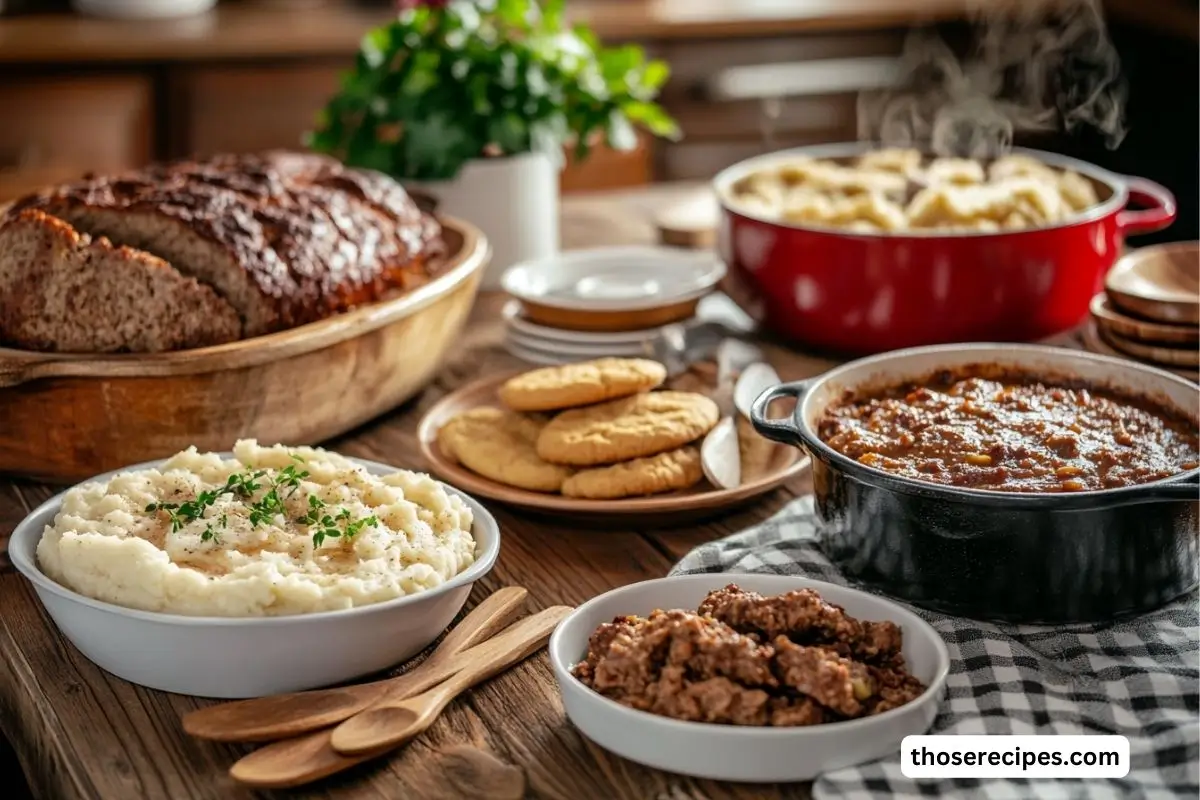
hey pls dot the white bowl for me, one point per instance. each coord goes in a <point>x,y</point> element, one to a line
<point>735,753</point>
<point>250,657</point>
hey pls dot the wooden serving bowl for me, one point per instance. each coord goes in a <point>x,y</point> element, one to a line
<point>1160,283</point>
<point>64,417</point>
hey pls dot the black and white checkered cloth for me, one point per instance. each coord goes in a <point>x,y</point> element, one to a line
<point>1139,679</point>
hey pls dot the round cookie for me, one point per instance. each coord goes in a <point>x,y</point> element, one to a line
<point>501,445</point>
<point>665,472</point>
<point>632,427</point>
<point>571,385</point>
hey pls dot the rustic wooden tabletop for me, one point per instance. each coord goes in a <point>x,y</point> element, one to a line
<point>81,733</point>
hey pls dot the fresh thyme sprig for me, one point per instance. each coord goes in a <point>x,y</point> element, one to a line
<point>322,522</point>
<point>325,525</point>
<point>283,485</point>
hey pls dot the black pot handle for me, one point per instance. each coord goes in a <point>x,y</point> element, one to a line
<point>1185,489</point>
<point>778,430</point>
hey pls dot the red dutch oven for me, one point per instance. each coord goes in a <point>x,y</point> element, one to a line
<point>861,293</point>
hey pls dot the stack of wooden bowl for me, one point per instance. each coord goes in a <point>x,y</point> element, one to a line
<point>1149,310</point>
<point>611,301</point>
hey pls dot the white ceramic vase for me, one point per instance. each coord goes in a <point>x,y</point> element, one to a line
<point>513,200</point>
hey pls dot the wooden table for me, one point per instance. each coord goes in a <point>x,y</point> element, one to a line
<point>81,733</point>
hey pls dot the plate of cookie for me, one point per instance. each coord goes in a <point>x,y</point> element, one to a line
<point>602,441</point>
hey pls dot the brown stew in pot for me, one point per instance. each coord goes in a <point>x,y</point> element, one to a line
<point>985,428</point>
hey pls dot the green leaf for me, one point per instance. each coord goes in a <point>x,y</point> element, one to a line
<point>376,46</point>
<point>510,133</point>
<point>655,74</point>
<point>653,117</point>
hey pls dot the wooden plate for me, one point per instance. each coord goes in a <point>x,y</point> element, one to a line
<point>665,509</point>
<point>1095,342</point>
<point>1161,283</point>
<point>1185,357</point>
<point>1112,320</point>
<point>67,417</point>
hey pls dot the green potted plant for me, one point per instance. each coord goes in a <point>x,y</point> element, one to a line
<point>473,101</point>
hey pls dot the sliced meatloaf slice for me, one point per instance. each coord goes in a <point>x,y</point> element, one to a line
<point>67,292</point>
<point>286,238</point>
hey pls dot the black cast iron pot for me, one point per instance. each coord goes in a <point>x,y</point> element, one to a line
<point>1034,558</point>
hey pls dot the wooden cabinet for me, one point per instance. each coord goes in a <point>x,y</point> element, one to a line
<point>733,97</point>
<point>736,99</point>
<point>55,129</point>
<point>246,107</point>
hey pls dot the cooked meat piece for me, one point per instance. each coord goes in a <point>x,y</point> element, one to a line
<point>893,688</point>
<point>787,712</point>
<point>834,682</point>
<point>66,292</point>
<point>716,700</point>
<point>599,642</point>
<point>705,648</point>
<point>286,238</point>
<point>804,616</point>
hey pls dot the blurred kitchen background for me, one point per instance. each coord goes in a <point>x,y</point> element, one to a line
<point>81,92</point>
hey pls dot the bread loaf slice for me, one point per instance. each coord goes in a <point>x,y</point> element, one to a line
<point>67,292</point>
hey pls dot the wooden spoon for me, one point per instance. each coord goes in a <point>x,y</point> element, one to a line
<point>295,762</point>
<point>393,723</point>
<point>280,716</point>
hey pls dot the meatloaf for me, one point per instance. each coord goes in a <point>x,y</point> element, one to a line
<point>281,238</point>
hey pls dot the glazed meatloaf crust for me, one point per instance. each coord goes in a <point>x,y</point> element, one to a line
<point>283,238</point>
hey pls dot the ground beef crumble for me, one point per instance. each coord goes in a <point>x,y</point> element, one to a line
<point>746,659</point>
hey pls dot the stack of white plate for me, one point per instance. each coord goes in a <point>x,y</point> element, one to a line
<point>613,301</point>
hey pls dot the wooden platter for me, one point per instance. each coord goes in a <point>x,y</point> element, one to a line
<point>66,417</point>
<point>675,508</point>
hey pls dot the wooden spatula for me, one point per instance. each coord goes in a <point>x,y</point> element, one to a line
<point>264,719</point>
<point>295,762</point>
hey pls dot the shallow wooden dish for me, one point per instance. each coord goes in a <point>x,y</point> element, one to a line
<point>608,321</point>
<point>674,508</point>
<point>1094,342</point>
<point>1161,355</point>
<point>1110,319</point>
<point>1161,283</point>
<point>66,417</point>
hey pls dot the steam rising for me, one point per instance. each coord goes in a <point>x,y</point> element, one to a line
<point>1038,65</point>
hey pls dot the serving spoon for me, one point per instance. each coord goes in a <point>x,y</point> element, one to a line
<point>294,762</point>
<point>280,716</point>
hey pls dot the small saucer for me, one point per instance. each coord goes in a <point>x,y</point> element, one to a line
<point>581,352</point>
<point>614,288</point>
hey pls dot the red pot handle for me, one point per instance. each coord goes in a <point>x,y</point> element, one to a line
<point>1159,213</point>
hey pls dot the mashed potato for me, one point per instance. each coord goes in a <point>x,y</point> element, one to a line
<point>273,531</point>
